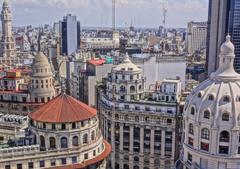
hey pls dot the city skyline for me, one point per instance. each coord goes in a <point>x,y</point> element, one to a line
<point>98,14</point>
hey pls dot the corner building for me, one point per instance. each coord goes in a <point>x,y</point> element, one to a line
<point>211,118</point>
<point>62,134</point>
<point>140,128</point>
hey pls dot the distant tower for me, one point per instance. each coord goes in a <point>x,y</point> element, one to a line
<point>7,45</point>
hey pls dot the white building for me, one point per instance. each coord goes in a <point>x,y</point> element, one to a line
<point>196,36</point>
<point>211,118</point>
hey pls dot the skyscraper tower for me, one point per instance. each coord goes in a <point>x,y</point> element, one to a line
<point>222,18</point>
<point>7,45</point>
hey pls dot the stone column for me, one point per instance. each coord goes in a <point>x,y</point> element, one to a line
<point>163,144</point>
<point>173,144</point>
<point>113,145</point>
<point>152,142</point>
<point>121,137</point>
<point>141,139</point>
<point>131,139</point>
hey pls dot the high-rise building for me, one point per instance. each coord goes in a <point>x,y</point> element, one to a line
<point>196,36</point>
<point>70,34</point>
<point>7,44</point>
<point>223,19</point>
<point>211,118</point>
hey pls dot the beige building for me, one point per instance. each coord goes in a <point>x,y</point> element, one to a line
<point>141,126</point>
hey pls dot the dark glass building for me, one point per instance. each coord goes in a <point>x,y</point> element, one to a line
<point>223,18</point>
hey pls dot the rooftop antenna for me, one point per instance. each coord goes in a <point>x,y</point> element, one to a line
<point>39,41</point>
<point>113,14</point>
<point>164,17</point>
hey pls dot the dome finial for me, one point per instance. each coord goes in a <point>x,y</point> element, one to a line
<point>228,38</point>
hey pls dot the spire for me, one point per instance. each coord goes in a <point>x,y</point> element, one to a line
<point>126,59</point>
<point>5,3</point>
<point>39,41</point>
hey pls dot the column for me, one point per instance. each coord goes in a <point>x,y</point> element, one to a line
<point>173,144</point>
<point>121,137</point>
<point>131,139</point>
<point>152,142</point>
<point>141,139</point>
<point>113,145</point>
<point>163,144</point>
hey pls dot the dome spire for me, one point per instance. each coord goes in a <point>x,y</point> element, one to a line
<point>226,60</point>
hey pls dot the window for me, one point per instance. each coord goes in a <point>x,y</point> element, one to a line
<point>73,125</point>
<point>75,141</point>
<point>52,142</point>
<point>53,162</point>
<point>42,142</point>
<point>19,166</point>
<point>53,126</point>
<point>191,131</point>
<point>223,149</point>
<point>226,99</point>
<point>225,117</point>
<point>7,167</point>
<point>189,157</point>
<point>199,95</point>
<point>63,126</point>
<point>204,146</point>
<point>136,159</point>
<point>64,161</point>
<point>74,160</point>
<point>64,143</point>
<point>211,97</point>
<point>85,138</point>
<point>30,165</point>
<point>86,156</point>
<point>238,150</point>
<point>94,152</point>
<point>206,114</point>
<point>224,136</point>
<point>190,141</point>
<point>205,133</point>
<point>93,135</point>
<point>192,111</point>
<point>42,163</point>
<point>169,121</point>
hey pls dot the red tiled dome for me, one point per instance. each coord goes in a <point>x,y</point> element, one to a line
<point>63,109</point>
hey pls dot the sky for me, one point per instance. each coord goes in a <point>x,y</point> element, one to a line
<point>141,13</point>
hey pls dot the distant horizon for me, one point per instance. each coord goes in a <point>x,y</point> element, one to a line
<point>93,13</point>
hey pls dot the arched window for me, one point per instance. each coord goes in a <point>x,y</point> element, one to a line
<point>126,157</point>
<point>140,87</point>
<point>116,116</point>
<point>199,94</point>
<point>191,131</point>
<point>205,133</point>
<point>42,142</point>
<point>75,141</point>
<point>136,159</point>
<point>135,167</point>
<point>211,97</point>
<point>225,117</point>
<point>122,89</point>
<point>192,110</point>
<point>146,160</point>
<point>64,142</point>
<point>136,118</point>
<point>224,136</point>
<point>132,89</point>
<point>206,114</point>
<point>226,99</point>
<point>125,166</point>
<point>63,126</point>
<point>85,138</point>
<point>93,135</point>
<point>52,142</point>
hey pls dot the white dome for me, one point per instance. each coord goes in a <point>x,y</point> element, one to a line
<point>127,65</point>
<point>212,116</point>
